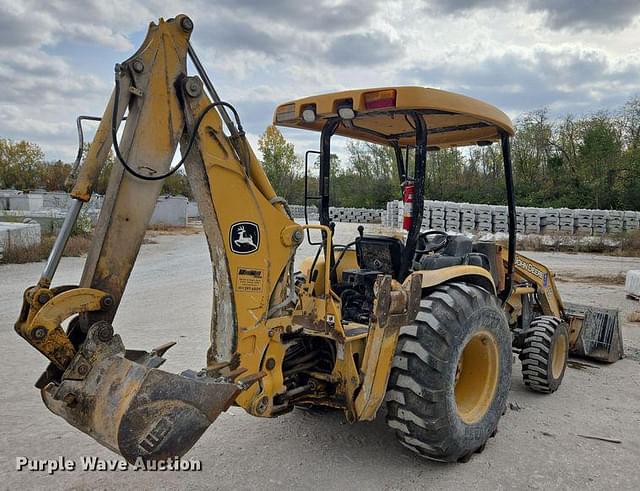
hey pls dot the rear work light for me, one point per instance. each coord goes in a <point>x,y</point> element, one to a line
<point>380,99</point>
<point>286,112</point>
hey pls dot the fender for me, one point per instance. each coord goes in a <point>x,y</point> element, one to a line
<point>470,274</point>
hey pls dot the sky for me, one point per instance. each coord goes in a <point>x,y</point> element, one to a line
<point>570,56</point>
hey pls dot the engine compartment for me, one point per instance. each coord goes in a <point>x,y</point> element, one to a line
<point>377,254</point>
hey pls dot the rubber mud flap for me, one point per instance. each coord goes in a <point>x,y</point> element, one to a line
<point>134,410</point>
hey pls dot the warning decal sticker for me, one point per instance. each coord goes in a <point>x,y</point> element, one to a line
<point>250,280</point>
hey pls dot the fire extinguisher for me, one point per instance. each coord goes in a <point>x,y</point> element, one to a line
<point>408,188</point>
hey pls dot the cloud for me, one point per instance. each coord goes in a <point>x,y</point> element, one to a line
<point>319,16</point>
<point>565,79</point>
<point>559,14</point>
<point>30,23</point>
<point>56,57</point>
<point>587,14</point>
<point>368,48</point>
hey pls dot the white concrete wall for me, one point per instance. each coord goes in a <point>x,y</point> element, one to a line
<point>170,210</point>
<point>192,210</point>
<point>632,282</point>
<point>18,235</point>
<point>26,202</point>
<point>55,199</point>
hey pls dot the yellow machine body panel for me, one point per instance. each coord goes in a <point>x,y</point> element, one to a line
<point>278,339</point>
<point>380,110</point>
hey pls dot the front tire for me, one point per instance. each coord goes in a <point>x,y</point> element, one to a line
<point>451,374</point>
<point>544,355</point>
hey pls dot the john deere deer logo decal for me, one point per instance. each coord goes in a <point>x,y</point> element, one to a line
<point>244,237</point>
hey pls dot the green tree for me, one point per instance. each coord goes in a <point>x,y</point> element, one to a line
<point>20,164</point>
<point>53,175</point>
<point>280,162</point>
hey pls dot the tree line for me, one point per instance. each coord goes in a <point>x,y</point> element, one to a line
<point>23,166</point>
<point>590,161</point>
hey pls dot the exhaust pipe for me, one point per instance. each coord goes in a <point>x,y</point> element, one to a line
<point>121,400</point>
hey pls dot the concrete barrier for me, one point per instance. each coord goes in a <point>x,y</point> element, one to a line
<point>18,235</point>
<point>467,217</point>
<point>50,220</point>
<point>170,211</point>
<point>192,210</point>
<point>632,283</point>
<point>26,202</point>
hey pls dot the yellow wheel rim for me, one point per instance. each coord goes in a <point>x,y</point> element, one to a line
<point>558,356</point>
<point>476,377</point>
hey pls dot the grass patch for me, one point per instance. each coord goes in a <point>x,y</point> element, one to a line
<point>171,230</point>
<point>76,247</point>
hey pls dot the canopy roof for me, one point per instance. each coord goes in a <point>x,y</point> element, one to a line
<point>382,116</point>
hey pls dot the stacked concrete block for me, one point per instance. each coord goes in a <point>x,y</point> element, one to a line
<point>519,220</point>
<point>26,202</point>
<point>392,218</point>
<point>426,217</point>
<point>437,214</point>
<point>500,218</point>
<point>599,221</point>
<point>582,222</point>
<point>355,215</point>
<point>467,217</point>
<point>615,221</point>
<point>55,199</point>
<point>452,217</point>
<point>631,220</point>
<point>18,235</point>
<point>5,195</point>
<point>484,218</point>
<point>531,220</point>
<point>565,220</point>
<point>550,221</point>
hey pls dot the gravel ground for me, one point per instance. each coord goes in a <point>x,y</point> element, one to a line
<point>168,298</point>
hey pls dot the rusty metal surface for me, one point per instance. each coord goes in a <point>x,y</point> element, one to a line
<point>42,314</point>
<point>152,131</point>
<point>599,335</point>
<point>382,340</point>
<point>134,410</point>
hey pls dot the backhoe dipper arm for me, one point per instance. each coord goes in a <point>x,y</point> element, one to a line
<point>118,396</point>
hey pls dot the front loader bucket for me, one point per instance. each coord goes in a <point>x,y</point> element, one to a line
<point>594,332</point>
<point>132,408</point>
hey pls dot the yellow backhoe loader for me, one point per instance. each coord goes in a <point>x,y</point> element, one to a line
<point>419,320</point>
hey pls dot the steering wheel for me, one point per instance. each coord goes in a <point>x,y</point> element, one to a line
<point>438,242</point>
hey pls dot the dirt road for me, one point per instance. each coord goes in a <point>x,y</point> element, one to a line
<point>168,298</point>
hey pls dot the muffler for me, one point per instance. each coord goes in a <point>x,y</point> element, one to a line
<point>594,332</point>
<point>125,403</point>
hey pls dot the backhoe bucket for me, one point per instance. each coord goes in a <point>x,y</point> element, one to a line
<point>130,406</point>
<point>594,332</point>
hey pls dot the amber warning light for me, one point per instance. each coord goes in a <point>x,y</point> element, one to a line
<point>380,99</point>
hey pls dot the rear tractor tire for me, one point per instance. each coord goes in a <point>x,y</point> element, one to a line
<point>451,374</point>
<point>544,355</point>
